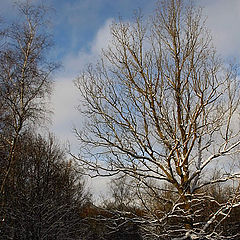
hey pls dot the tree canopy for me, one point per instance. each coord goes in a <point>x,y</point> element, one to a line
<point>162,108</point>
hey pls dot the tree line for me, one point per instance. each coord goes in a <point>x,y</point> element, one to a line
<point>161,119</point>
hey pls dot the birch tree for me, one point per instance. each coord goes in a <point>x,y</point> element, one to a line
<point>25,80</point>
<point>162,107</point>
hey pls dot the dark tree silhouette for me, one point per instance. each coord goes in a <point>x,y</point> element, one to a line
<point>46,196</point>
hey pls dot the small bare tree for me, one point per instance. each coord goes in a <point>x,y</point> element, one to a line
<point>122,195</point>
<point>162,106</point>
<point>24,78</point>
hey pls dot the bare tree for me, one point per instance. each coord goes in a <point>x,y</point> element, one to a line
<point>47,195</point>
<point>162,106</point>
<point>121,194</point>
<point>24,77</point>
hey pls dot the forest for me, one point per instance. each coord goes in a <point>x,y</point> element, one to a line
<point>160,113</point>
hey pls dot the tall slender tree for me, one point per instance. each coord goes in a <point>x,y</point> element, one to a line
<point>25,80</point>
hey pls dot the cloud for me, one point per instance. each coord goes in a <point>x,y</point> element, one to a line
<point>80,20</point>
<point>103,37</point>
<point>66,97</point>
<point>99,187</point>
<point>64,100</point>
<point>74,62</point>
<point>223,20</point>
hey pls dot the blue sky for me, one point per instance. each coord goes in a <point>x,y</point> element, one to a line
<point>76,22</point>
<point>79,20</point>
<point>81,30</point>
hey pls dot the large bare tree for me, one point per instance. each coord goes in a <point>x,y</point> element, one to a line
<point>163,107</point>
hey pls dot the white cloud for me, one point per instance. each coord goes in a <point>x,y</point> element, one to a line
<point>73,63</point>
<point>66,97</point>
<point>223,19</point>
<point>99,187</point>
<point>103,38</point>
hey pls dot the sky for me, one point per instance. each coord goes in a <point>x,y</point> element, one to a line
<point>80,30</point>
